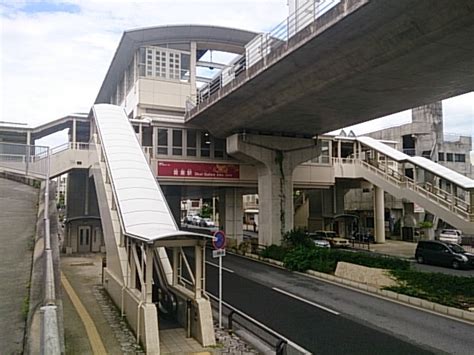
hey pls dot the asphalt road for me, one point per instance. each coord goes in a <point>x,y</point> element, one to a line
<point>364,324</point>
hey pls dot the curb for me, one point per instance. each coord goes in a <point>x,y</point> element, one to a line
<point>460,314</point>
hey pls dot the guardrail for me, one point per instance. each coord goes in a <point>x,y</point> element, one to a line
<point>238,319</point>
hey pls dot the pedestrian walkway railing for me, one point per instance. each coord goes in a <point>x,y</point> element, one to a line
<point>263,46</point>
<point>24,159</point>
<point>448,201</point>
<point>238,320</point>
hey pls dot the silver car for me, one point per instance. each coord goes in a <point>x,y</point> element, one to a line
<point>450,236</point>
<point>320,243</point>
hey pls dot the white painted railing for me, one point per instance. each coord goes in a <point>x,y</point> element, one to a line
<point>436,195</point>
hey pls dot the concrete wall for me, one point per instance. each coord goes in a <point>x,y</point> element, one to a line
<point>142,318</point>
<point>163,93</point>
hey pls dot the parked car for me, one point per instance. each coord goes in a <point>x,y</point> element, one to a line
<point>196,220</point>
<point>450,236</point>
<point>332,237</point>
<point>207,222</point>
<point>443,253</point>
<point>318,241</point>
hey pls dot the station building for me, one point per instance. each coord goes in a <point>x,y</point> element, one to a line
<point>157,75</point>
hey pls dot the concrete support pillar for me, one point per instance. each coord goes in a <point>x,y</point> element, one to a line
<point>192,71</point>
<point>198,271</point>
<point>339,148</point>
<point>154,134</point>
<point>275,159</point>
<point>133,267</point>
<point>73,138</point>
<point>379,214</point>
<point>149,274</point>
<point>173,197</point>
<point>175,265</point>
<point>231,213</point>
<point>140,134</point>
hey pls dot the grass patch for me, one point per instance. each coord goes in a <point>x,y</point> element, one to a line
<point>448,290</point>
<point>25,307</point>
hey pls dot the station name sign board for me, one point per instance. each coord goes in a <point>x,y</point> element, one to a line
<point>181,169</point>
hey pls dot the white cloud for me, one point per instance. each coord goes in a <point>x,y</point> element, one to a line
<point>53,63</point>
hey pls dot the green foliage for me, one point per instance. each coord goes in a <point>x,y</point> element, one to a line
<point>206,211</point>
<point>274,252</point>
<point>371,260</point>
<point>425,224</point>
<point>296,238</point>
<point>304,258</point>
<point>449,290</point>
<point>25,307</point>
<point>325,260</point>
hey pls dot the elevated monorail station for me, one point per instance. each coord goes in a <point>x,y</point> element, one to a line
<point>189,112</point>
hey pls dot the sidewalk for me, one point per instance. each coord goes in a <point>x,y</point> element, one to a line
<point>18,214</point>
<point>394,248</point>
<point>83,273</point>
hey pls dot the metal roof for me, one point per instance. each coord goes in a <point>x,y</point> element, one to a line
<point>141,204</point>
<point>206,37</point>
<point>435,168</point>
<point>383,148</point>
<point>446,173</point>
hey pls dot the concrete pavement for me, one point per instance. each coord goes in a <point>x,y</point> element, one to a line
<point>18,209</point>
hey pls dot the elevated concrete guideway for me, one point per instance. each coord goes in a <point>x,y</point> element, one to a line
<point>362,59</point>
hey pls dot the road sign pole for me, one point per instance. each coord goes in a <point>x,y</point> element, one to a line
<point>218,243</point>
<point>220,292</point>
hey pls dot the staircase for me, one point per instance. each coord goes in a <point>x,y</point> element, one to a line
<point>446,206</point>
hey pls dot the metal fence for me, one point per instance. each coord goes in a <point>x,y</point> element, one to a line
<point>264,44</point>
<point>24,159</point>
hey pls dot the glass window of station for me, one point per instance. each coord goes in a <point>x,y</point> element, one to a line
<point>153,62</point>
<point>178,142</point>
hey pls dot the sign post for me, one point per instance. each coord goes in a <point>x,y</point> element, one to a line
<point>219,244</point>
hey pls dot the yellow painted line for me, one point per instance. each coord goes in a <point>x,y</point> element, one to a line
<point>92,333</point>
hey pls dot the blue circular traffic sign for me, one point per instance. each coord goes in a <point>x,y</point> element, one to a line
<point>219,240</point>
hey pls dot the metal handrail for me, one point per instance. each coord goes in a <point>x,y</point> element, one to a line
<point>280,35</point>
<point>439,196</point>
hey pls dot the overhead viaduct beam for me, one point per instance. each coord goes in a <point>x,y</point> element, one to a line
<point>363,59</point>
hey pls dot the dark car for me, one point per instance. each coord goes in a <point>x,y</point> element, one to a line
<point>442,253</point>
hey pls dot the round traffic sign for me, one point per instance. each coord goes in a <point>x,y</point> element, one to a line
<point>219,240</point>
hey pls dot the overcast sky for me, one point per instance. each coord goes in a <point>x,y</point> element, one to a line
<point>55,54</point>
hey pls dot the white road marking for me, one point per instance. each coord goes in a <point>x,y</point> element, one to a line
<point>306,301</point>
<point>217,266</point>
<point>263,326</point>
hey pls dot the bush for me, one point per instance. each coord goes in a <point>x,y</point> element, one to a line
<point>296,238</point>
<point>325,260</point>
<point>275,252</point>
<point>453,291</point>
<point>371,260</point>
<point>304,258</point>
